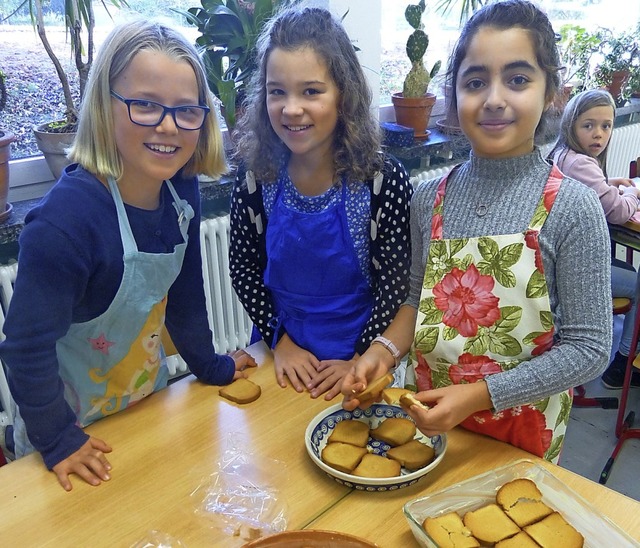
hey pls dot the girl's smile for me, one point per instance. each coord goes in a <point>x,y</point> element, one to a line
<point>302,102</point>
<point>500,92</point>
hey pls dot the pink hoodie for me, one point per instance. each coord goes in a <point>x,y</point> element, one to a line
<point>618,208</point>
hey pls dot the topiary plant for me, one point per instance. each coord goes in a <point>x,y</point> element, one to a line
<point>418,79</point>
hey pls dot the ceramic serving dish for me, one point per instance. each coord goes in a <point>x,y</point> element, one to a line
<point>312,539</point>
<point>322,425</point>
<point>480,490</point>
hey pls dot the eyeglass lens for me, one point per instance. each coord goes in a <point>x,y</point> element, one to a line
<point>148,113</point>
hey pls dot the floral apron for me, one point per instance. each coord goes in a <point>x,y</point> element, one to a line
<point>116,359</point>
<point>484,309</point>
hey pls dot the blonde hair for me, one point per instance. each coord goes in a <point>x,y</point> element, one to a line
<point>94,145</point>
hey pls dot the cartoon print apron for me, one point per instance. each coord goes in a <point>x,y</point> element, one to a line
<point>319,291</point>
<point>116,359</point>
<point>484,308</point>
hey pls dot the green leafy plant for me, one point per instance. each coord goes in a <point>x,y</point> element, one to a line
<point>467,7</point>
<point>79,23</point>
<point>418,79</point>
<point>228,33</point>
<point>619,56</point>
<point>577,47</point>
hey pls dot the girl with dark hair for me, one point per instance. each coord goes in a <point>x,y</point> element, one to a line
<point>581,153</point>
<point>510,304</point>
<point>320,244</point>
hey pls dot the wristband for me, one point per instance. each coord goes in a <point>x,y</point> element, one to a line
<point>393,350</point>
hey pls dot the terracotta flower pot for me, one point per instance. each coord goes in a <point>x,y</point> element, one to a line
<point>414,112</point>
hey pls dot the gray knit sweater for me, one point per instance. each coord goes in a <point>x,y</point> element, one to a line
<point>575,248</point>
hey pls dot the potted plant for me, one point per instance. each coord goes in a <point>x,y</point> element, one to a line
<point>619,53</point>
<point>228,33</point>
<point>577,47</point>
<point>54,138</point>
<point>413,105</point>
<point>6,138</point>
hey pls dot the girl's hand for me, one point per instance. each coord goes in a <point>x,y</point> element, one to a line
<point>298,364</point>
<point>620,181</point>
<point>329,377</point>
<point>449,406</point>
<point>88,462</point>
<point>374,363</point>
<point>242,361</point>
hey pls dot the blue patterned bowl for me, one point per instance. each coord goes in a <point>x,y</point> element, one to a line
<point>322,425</point>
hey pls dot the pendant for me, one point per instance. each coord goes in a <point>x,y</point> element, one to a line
<point>481,210</point>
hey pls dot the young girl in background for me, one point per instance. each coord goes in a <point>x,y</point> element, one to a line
<point>510,304</point>
<point>111,256</point>
<point>320,237</point>
<point>581,153</point>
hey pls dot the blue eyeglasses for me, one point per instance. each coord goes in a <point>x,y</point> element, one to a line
<point>150,114</point>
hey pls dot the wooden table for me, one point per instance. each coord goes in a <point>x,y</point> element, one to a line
<point>165,446</point>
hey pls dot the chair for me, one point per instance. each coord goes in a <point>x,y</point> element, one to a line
<point>624,425</point>
<point>620,306</point>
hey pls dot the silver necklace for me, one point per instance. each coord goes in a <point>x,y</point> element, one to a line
<point>482,207</point>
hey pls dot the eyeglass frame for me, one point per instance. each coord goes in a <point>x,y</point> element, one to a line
<point>165,110</point>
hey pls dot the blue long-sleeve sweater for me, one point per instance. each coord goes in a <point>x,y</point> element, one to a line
<point>70,268</point>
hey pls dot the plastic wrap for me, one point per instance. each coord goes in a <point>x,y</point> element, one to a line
<point>241,497</point>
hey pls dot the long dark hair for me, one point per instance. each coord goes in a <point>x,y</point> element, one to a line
<point>504,15</point>
<point>357,135</point>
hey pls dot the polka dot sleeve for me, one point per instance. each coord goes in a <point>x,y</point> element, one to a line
<point>390,248</point>
<point>247,253</point>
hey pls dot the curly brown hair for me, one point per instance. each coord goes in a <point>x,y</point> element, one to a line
<point>357,140</point>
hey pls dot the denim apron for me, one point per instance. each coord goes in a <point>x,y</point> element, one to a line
<point>484,309</point>
<point>320,294</point>
<point>116,359</point>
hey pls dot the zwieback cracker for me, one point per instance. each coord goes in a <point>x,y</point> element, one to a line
<point>241,391</point>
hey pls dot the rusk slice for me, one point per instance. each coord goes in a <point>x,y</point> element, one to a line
<point>522,501</point>
<point>521,540</point>
<point>407,400</point>
<point>375,466</point>
<point>448,531</point>
<point>350,431</point>
<point>490,524</point>
<point>375,388</point>
<point>395,431</point>
<point>413,455</point>
<point>553,532</point>
<point>392,394</point>
<point>241,391</point>
<point>342,456</point>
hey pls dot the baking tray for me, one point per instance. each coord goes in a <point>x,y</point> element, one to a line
<point>597,530</point>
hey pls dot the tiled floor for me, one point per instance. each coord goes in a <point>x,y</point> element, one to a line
<point>590,440</point>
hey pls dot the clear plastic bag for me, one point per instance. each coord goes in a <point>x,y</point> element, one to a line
<point>241,497</point>
<point>158,539</point>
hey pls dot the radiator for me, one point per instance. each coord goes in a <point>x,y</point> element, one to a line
<point>624,147</point>
<point>230,324</point>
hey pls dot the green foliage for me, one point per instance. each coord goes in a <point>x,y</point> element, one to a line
<point>576,49</point>
<point>228,33</point>
<point>467,7</point>
<point>78,16</point>
<point>418,79</point>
